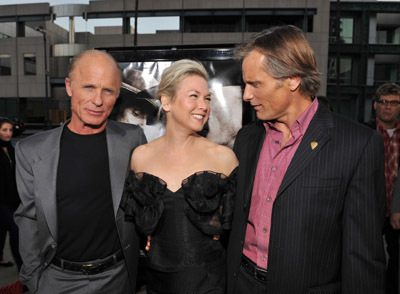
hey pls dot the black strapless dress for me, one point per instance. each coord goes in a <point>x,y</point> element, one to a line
<point>183,256</point>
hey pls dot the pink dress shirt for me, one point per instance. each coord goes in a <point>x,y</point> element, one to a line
<point>271,168</point>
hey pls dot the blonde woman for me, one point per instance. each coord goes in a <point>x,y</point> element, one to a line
<point>180,190</point>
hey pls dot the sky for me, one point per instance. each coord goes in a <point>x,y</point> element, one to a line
<point>146,25</point>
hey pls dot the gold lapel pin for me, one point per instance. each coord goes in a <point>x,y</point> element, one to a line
<point>313,145</point>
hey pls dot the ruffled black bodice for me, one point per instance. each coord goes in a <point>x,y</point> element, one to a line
<point>182,223</point>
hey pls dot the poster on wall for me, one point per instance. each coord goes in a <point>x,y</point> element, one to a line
<point>141,76</point>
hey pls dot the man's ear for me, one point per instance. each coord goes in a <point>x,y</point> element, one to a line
<point>294,83</point>
<point>68,86</point>
<point>165,103</point>
<point>375,104</point>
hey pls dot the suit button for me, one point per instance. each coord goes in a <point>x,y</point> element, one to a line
<point>54,245</point>
<point>241,242</point>
<point>235,274</point>
<point>45,264</point>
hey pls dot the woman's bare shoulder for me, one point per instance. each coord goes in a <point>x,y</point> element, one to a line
<point>223,156</point>
<point>144,154</point>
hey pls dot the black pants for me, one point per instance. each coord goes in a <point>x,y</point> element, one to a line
<point>7,224</point>
<point>392,241</point>
<point>246,283</point>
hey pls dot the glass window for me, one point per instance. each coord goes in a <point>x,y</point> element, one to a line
<point>388,35</point>
<point>8,107</point>
<point>388,28</point>
<point>347,106</point>
<point>5,65</point>
<point>386,73</point>
<point>30,64</point>
<point>345,70</point>
<point>346,30</point>
<point>205,24</point>
<point>257,23</point>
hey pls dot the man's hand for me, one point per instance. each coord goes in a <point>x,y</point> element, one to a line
<point>395,220</point>
<point>148,243</point>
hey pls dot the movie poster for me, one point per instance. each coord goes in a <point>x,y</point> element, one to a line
<point>136,103</point>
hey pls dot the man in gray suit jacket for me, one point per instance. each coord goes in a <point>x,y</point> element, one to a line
<point>310,199</point>
<point>73,236</point>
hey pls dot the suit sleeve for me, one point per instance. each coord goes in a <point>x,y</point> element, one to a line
<point>25,217</point>
<point>363,259</point>
<point>142,137</point>
<point>395,206</point>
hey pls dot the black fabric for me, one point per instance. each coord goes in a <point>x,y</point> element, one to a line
<point>183,256</point>
<point>5,143</point>
<point>392,248</point>
<point>8,224</point>
<point>8,185</point>
<point>246,283</point>
<point>86,222</point>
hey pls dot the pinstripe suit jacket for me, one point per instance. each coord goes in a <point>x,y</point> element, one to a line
<point>327,219</point>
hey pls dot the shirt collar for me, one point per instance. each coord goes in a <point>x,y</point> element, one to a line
<point>301,123</point>
<point>380,128</point>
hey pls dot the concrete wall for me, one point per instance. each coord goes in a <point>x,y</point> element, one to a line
<point>19,84</point>
<point>25,9</point>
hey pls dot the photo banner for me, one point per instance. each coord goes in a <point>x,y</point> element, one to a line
<point>142,73</point>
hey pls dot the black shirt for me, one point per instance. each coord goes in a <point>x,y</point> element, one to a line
<point>86,222</point>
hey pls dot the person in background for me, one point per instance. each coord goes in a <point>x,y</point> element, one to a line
<point>70,179</point>
<point>9,199</point>
<point>180,190</point>
<point>310,200</point>
<point>3,236</point>
<point>386,122</point>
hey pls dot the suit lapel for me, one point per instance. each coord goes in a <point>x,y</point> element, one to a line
<point>316,134</point>
<point>255,139</point>
<point>119,160</point>
<point>45,171</point>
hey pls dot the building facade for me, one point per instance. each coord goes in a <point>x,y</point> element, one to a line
<point>366,55</point>
<point>34,51</point>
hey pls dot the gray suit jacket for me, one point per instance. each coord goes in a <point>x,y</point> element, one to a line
<point>327,218</point>
<point>37,162</point>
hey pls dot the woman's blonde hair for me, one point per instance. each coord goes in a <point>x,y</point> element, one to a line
<point>176,73</point>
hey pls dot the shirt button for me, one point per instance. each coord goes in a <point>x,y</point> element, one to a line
<point>263,258</point>
<point>273,169</point>
<point>264,230</point>
<point>269,199</point>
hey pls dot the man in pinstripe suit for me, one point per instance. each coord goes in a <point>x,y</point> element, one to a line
<point>310,199</point>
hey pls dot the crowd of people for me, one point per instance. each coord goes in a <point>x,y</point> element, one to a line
<point>299,205</point>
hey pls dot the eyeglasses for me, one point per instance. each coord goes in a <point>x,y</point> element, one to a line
<point>386,102</point>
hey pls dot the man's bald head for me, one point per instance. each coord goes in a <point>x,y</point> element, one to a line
<point>93,53</point>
